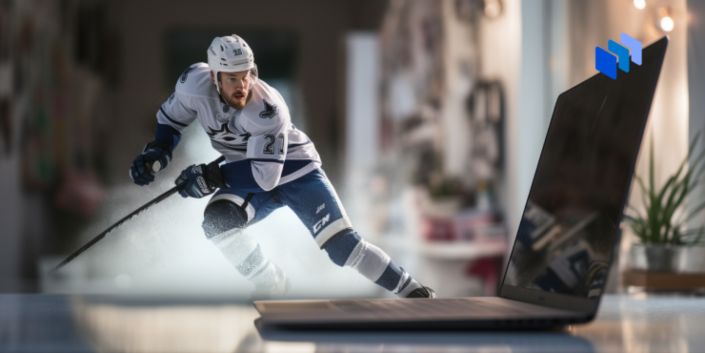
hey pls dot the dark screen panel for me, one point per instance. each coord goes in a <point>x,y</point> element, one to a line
<point>570,224</point>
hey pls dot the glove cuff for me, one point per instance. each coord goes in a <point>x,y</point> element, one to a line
<point>214,175</point>
<point>160,146</point>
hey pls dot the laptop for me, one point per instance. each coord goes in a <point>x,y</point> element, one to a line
<point>568,233</point>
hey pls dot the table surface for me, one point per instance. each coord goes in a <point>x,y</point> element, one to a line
<point>56,323</point>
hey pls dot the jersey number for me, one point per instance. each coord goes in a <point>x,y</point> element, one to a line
<point>270,144</point>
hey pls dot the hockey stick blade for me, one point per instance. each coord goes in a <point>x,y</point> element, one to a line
<point>102,235</point>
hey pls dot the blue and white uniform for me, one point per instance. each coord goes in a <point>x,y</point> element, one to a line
<point>270,164</point>
<point>260,135</point>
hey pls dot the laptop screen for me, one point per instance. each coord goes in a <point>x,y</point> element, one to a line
<point>570,224</point>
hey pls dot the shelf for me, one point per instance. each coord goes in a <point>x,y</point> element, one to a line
<point>463,250</point>
<point>664,280</point>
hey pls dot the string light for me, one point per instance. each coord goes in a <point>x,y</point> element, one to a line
<point>665,20</point>
<point>640,4</point>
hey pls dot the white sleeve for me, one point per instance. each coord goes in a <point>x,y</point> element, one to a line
<point>267,146</point>
<point>177,110</point>
<point>267,153</point>
<point>175,113</point>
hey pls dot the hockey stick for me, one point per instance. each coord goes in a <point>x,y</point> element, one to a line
<point>102,235</point>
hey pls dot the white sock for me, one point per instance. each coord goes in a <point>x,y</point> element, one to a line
<point>371,261</point>
<point>245,254</point>
<point>411,285</point>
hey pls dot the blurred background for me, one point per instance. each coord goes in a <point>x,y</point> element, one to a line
<point>429,117</point>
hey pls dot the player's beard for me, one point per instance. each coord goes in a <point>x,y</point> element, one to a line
<point>238,102</point>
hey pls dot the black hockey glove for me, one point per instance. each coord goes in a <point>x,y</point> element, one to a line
<point>153,158</point>
<point>200,180</point>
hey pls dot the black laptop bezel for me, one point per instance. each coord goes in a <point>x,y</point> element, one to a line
<point>562,301</point>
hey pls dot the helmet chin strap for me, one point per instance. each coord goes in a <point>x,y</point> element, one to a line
<point>217,83</point>
<point>217,88</point>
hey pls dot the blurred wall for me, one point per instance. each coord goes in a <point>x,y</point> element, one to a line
<point>10,218</point>
<point>52,83</point>
<point>696,56</point>
<point>503,53</point>
<point>528,129</point>
<point>696,84</point>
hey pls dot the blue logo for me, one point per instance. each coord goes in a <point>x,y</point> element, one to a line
<point>270,110</point>
<point>619,56</point>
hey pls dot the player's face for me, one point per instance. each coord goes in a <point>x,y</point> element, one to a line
<point>235,87</point>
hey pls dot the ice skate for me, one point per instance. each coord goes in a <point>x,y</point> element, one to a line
<point>423,292</point>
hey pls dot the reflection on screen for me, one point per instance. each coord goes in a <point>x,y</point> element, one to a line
<point>570,224</point>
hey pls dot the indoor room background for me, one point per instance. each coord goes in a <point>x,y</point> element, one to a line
<point>429,117</point>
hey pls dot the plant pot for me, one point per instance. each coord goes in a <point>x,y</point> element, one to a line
<point>657,258</point>
<point>691,259</point>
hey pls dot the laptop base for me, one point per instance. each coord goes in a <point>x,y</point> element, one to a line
<point>477,313</point>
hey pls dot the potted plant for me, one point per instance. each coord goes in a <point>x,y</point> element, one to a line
<point>665,242</point>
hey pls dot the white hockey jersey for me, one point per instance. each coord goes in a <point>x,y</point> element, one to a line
<point>261,131</point>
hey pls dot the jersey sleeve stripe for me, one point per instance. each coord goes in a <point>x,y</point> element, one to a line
<point>242,149</point>
<point>161,110</point>
<point>292,145</point>
<point>266,160</point>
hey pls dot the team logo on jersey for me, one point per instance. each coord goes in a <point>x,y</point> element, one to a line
<point>270,110</point>
<point>184,75</point>
<point>228,138</point>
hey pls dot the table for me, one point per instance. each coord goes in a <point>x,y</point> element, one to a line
<point>664,281</point>
<point>59,323</point>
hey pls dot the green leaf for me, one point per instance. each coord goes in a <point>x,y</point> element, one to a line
<point>694,212</point>
<point>644,191</point>
<point>651,167</point>
<point>677,237</point>
<point>637,213</point>
<point>657,223</point>
<point>640,230</point>
<point>680,191</point>
<point>677,195</point>
<point>695,231</point>
<point>665,212</point>
<point>699,232</point>
<point>700,235</point>
<point>696,168</point>
<point>694,143</point>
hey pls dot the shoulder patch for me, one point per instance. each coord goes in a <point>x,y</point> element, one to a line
<point>195,81</point>
<point>184,75</point>
<point>270,110</point>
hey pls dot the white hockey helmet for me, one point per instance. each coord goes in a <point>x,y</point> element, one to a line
<point>230,54</point>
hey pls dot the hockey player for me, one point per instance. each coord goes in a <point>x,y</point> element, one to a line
<point>269,163</point>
